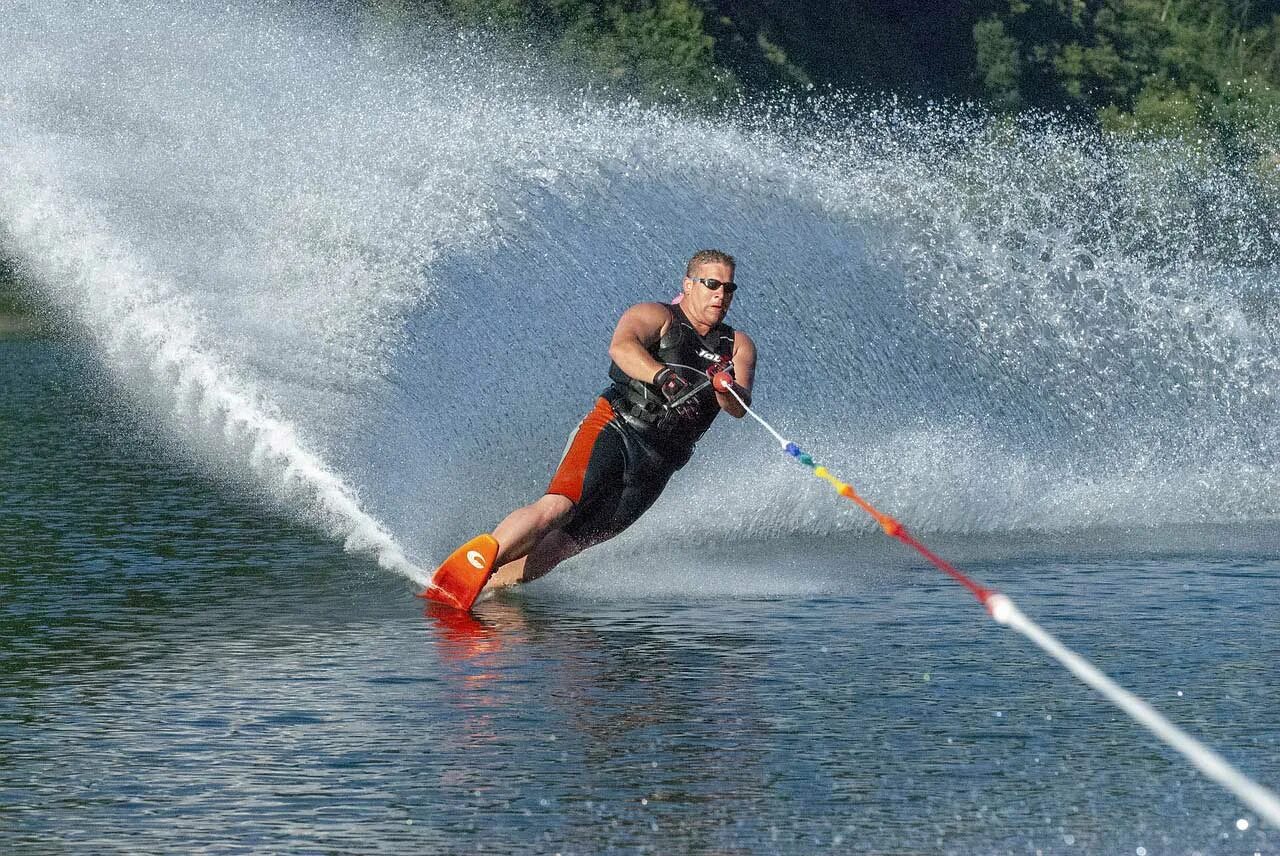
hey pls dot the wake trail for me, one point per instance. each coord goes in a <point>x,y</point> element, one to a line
<point>137,320</point>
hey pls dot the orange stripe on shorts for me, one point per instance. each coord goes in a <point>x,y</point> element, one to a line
<point>577,455</point>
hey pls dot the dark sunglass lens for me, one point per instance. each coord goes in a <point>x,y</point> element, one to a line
<point>714,284</point>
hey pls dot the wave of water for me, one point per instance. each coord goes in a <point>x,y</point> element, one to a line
<point>375,272</point>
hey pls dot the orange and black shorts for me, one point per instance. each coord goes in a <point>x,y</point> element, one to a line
<point>610,474</point>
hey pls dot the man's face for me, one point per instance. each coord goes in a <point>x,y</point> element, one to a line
<point>701,303</point>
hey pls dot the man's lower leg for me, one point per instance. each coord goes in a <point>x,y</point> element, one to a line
<point>550,551</point>
<point>523,528</point>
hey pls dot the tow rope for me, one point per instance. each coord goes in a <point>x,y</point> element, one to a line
<point>1003,611</point>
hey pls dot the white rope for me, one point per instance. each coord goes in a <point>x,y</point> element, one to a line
<point>782,440</point>
<point>1213,765</point>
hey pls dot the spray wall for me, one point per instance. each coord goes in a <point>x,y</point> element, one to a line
<point>373,276</point>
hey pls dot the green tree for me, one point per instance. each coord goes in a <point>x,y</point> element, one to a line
<point>654,49</point>
<point>1166,65</point>
<point>999,61</point>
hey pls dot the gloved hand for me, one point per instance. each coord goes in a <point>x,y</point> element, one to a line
<point>670,384</point>
<point>721,374</point>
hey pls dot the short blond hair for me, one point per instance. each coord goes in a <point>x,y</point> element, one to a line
<point>709,257</point>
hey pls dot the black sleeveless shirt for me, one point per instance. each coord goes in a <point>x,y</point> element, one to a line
<point>674,427</point>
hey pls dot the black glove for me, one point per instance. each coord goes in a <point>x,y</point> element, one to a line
<point>670,384</point>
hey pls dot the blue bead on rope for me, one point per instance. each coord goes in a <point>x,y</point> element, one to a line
<point>793,450</point>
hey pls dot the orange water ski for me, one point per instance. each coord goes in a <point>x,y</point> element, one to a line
<point>458,581</point>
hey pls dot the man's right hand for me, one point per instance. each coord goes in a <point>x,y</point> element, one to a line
<point>670,384</point>
<point>673,386</point>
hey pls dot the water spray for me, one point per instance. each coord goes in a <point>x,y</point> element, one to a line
<point>1002,609</point>
<point>207,395</point>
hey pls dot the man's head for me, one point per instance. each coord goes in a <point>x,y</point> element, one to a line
<point>706,295</point>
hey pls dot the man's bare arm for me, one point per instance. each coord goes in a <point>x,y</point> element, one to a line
<point>638,328</point>
<point>744,373</point>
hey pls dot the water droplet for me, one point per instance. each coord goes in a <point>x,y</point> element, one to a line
<point>1242,824</point>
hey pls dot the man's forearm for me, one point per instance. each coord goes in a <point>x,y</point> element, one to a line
<point>633,359</point>
<point>731,405</point>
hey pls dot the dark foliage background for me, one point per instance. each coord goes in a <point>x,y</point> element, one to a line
<point>1155,65</point>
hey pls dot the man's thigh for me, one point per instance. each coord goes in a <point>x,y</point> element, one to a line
<point>604,484</point>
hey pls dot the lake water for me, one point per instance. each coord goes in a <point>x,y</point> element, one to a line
<point>184,671</point>
<point>325,296</point>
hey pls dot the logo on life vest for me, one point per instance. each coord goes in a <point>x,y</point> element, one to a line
<point>707,355</point>
<point>476,558</point>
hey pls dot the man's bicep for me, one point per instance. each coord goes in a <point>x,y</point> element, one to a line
<point>642,322</point>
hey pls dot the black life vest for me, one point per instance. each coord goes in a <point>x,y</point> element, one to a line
<point>674,426</point>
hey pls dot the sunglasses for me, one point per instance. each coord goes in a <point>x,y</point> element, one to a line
<point>714,284</point>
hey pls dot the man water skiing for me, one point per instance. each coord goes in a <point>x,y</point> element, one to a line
<point>673,365</point>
